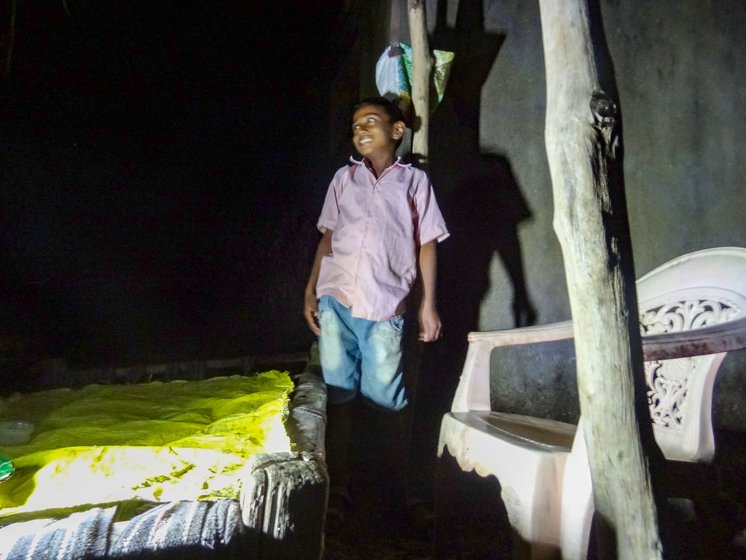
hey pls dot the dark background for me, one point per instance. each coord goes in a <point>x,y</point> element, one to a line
<point>163,165</point>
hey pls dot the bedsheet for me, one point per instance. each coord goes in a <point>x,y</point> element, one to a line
<point>159,441</point>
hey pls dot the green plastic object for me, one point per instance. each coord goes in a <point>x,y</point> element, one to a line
<point>6,468</point>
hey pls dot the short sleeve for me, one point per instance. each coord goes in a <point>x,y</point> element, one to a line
<point>432,226</point>
<point>330,209</point>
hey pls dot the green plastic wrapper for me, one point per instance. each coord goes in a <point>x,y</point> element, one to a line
<point>179,440</point>
<point>6,468</point>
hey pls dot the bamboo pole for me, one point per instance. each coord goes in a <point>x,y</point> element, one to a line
<point>580,143</point>
<point>421,67</point>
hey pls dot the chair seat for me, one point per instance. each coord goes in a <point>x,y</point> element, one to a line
<point>524,430</point>
<point>537,450</point>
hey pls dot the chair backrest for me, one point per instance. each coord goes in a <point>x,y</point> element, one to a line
<point>694,291</point>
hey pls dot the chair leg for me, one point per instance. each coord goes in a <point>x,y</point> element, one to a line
<point>544,552</point>
<point>445,537</point>
<point>523,550</point>
<point>470,517</point>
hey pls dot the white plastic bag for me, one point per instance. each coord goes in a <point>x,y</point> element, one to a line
<point>392,78</point>
<point>394,73</point>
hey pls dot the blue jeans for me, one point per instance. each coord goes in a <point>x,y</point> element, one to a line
<point>361,355</point>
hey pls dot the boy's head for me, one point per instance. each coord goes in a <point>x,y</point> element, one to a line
<point>377,126</point>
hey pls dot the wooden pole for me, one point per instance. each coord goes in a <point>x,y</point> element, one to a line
<point>580,142</point>
<point>421,67</point>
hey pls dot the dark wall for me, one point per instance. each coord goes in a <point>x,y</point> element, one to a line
<point>164,162</point>
<point>162,167</point>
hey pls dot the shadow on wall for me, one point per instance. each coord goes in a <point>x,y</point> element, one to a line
<point>483,206</point>
<point>483,214</point>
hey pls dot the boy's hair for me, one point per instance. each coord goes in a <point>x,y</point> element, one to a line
<point>392,109</point>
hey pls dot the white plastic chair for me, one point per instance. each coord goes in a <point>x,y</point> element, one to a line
<point>692,311</point>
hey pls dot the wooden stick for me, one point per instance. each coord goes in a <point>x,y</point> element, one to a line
<point>580,142</point>
<point>421,67</point>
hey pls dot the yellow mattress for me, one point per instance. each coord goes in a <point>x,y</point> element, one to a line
<point>179,440</point>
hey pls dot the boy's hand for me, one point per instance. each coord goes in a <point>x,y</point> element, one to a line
<point>429,323</point>
<point>311,312</point>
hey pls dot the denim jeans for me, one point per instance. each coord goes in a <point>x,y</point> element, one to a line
<point>358,355</point>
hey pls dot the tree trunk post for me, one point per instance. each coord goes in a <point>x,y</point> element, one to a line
<point>581,122</point>
<point>421,66</point>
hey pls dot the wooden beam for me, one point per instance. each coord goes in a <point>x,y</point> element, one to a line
<point>580,141</point>
<point>421,68</point>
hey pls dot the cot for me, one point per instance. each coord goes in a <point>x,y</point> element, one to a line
<point>215,469</point>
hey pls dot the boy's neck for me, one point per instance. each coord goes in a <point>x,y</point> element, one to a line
<point>379,164</point>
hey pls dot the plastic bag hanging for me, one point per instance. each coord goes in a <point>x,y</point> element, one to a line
<point>394,73</point>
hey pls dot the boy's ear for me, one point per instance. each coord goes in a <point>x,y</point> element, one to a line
<point>399,128</point>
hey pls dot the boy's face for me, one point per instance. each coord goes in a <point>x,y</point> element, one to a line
<point>373,133</point>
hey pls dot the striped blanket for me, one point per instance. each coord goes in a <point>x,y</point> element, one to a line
<point>184,529</point>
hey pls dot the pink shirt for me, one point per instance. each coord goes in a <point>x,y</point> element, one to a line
<point>379,225</point>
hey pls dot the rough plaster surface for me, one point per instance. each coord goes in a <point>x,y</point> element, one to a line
<point>678,67</point>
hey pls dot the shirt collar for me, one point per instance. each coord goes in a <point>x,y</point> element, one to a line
<point>398,162</point>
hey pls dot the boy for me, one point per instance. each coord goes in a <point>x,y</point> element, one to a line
<point>380,224</point>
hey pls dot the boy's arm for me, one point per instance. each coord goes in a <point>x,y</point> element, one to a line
<point>310,307</point>
<point>428,313</point>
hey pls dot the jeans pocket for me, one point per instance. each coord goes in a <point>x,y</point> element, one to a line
<point>392,328</point>
<point>325,319</point>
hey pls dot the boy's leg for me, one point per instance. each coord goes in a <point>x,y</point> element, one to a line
<point>339,352</point>
<point>338,445</point>
<point>340,360</point>
<point>382,383</point>
<point>382,375</point>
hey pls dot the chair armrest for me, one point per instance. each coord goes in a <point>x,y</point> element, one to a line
<point>473,391</point>
<point>722,337</point>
